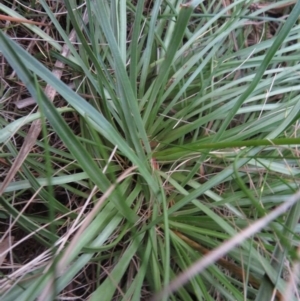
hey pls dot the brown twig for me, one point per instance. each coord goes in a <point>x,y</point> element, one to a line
<point>21,20</point>
<point>237,271</point>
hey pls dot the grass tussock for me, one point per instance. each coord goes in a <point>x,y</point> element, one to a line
<point>149,150</point>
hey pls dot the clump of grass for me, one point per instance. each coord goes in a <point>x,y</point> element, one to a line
<point>174,128</point>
